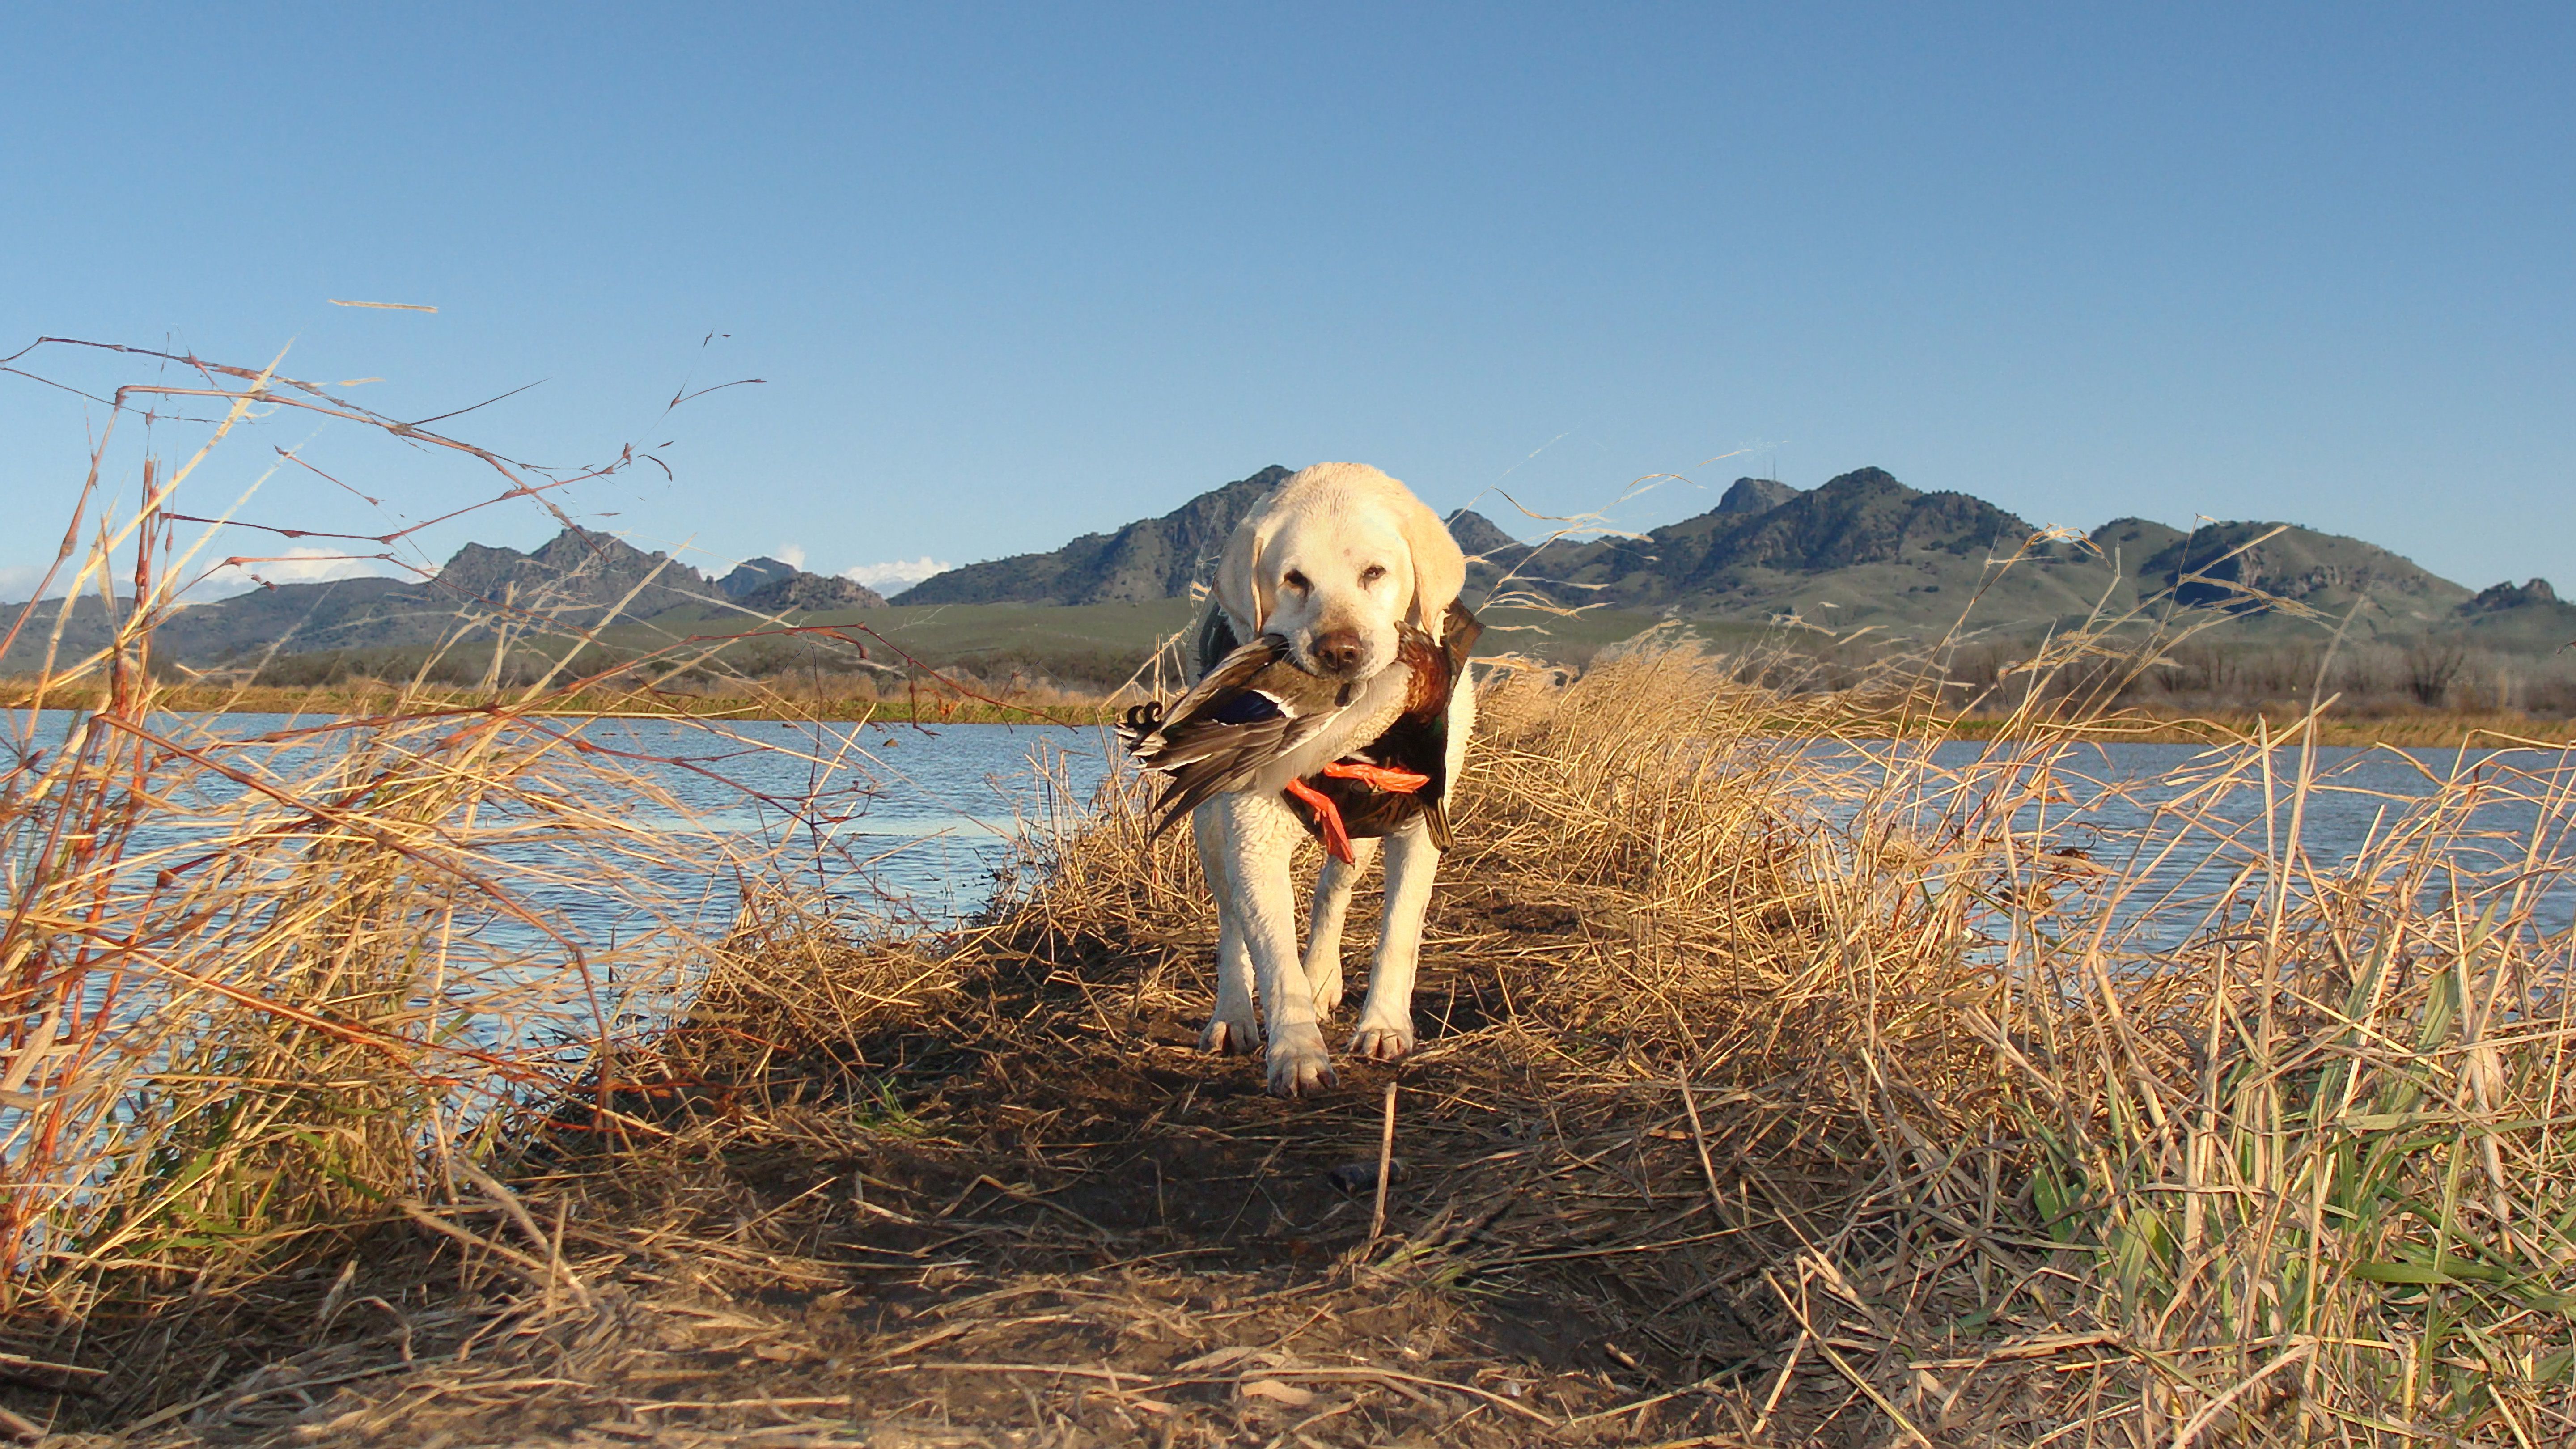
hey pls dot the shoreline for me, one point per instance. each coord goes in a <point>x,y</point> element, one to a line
<point>594,704</point>
<point>2445,729</point>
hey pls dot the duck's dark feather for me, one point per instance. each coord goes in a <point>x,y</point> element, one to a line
<point>1251,708</point>
<point>1417,743</point>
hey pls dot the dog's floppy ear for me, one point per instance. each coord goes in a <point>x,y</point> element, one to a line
<point>1239,590</point>
<point>1439,565</point>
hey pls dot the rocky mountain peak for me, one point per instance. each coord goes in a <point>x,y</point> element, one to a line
<point>754,574</point>
<point>2510,595</point>
<point>1756,495</point>
<point>2233,565</point>
<point>1479,535</point>
<point>579,569</point>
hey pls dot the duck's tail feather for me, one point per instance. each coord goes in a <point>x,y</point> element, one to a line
<point>1139,723</point>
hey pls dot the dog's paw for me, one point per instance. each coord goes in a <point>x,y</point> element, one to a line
<point>1383,1041</point>
<point>1299,1065</point>
<point>1231,1035</point>
<point>1327,981</point>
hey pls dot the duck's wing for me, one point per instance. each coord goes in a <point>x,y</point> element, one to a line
<point>1141,728</point>
<point>1227,727</point>
<point>1230,674</point>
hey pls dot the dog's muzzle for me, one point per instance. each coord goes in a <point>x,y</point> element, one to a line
<point>1337,652</point>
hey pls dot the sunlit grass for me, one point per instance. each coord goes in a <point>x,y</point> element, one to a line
<point>2010,1151</point>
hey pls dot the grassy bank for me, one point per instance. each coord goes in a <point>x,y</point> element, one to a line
<point>373,698</point>
<point>936,705</point>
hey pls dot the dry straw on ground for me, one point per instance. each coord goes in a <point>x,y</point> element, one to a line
<point>1776,1089</point>
<point>1735,1124</point>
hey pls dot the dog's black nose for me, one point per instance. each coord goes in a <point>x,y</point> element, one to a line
<point>1338,651</point>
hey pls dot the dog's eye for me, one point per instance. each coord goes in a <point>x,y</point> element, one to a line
<point>1372,573</point>
<point>1296,580</point>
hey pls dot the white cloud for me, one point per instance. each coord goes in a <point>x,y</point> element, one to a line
<point>791,554</point>
<point>297,566</point>
<point>17,581</point>
<point>893,578</point>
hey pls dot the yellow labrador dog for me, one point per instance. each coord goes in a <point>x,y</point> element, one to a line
<point>1352,584</point>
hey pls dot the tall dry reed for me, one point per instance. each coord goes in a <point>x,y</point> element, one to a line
<point>262,988</point>
<point>2294,1109</point>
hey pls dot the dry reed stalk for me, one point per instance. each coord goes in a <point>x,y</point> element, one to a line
<point>271,989</point>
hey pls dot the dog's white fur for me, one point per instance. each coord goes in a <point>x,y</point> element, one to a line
<point>1340,549</point>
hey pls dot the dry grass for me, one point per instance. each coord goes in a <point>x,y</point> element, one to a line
<point>1946,1169</point>
<point>1770,1094</point>
<point>379,697</point>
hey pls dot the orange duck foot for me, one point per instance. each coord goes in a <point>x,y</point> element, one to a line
<point>1328,819</point>
<point>1392,781</point>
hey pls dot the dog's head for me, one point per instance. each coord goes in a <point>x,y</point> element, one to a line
<point>1334,562</point>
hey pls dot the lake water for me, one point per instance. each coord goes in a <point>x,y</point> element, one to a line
<point>908,826</point>
<point>909,823</point>
<point>2183,834</point>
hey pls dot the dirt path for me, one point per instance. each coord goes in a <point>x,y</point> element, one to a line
<point>994,1195</point>
<point>1036,1214</point>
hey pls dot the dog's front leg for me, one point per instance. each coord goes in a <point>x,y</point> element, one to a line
<point>1386,1018</point>
<point>1333,888</point>
<point>1232,1028</point>
<point>1259,838</point>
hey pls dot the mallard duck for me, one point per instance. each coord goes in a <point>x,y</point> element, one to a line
<point>1255,706</point>
<point>1252,708</point>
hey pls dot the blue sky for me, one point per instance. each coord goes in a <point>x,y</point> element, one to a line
<point>1015,273</point>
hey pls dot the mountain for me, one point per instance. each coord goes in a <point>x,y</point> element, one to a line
<point>1755,495</point>
<point>2325,571</point>
<point>1735,556</point>
<point>752,575</point>
<point>580,575</point>
<point>2495,598</point>
<point>2129,542</point>
<point>2527,618</point>
<point>574,581</point>
<point>577,576</point>
<point>1864,548</point>
<point>1479,536</point>
<point>1861,550</point>
<point>769,586</point>
<point>802,593</point>
<point>1152,558</point>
